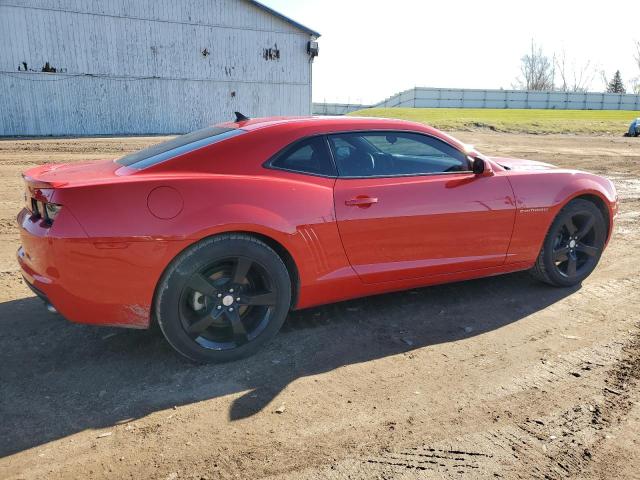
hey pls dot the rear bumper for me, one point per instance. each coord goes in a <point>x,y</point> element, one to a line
<point>73,307</point>
<point>91,281</point>
<point>39,293</point>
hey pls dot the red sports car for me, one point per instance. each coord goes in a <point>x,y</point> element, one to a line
<point>217,234</point>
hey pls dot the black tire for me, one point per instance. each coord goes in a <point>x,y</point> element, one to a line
<point>573,245</point>
<point>223,298</point>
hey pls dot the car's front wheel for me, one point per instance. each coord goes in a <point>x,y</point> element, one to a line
<point>223,298</point>
<point>573,245</point>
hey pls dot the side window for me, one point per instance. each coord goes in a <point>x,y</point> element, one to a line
<point>369,154</point>
<point>306,156</point>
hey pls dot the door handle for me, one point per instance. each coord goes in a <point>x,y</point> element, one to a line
<point>361,202</point>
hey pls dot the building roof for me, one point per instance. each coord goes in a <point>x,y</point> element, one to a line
<point>284,18</point>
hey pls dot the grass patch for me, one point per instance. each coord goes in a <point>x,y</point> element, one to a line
<point>601,122</point>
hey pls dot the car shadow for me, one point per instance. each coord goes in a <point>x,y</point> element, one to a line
<point>58,378</point>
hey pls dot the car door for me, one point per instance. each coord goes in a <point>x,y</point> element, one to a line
<point>408,206</point>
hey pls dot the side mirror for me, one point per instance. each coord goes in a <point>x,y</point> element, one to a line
<point>481,167</point>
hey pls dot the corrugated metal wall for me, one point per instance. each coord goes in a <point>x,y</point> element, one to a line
<point>468,98</point>
<point>146,66</point>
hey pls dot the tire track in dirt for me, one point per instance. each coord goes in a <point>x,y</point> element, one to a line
<point>551,448</point>
<point>460,462</point>
<point>554,447</point>
<point>579,431</point>
<point>559,445</point>
<point>580,363</point>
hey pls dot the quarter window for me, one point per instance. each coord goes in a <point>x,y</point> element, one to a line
<point>310,155</point>
<point>384,154</point>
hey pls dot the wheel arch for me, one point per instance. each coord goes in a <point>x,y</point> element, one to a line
<point>602,206</point>
<point>600,201</point>
<point>284,254</point>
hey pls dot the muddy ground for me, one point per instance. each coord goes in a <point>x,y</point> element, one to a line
<point>494,378</point>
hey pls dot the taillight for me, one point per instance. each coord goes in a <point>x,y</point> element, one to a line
<point>46,211</point>
<point>51,211</point>
<point>37,199</point>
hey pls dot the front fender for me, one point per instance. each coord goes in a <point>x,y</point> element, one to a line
<point>594,186</point>
<point>582,183</point>
<point>540,195</point>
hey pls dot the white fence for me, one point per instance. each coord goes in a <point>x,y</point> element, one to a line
<point>474,98</point>
<point>337,108</point>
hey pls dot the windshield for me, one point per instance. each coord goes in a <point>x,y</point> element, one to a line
<point>177,146</point>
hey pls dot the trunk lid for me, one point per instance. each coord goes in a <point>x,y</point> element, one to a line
<point>62,174</point>
<point>42,182</point>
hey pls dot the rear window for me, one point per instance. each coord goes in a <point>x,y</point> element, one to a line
<point>177,146</point>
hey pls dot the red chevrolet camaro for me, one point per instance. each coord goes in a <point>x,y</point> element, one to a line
<point>217,234</point>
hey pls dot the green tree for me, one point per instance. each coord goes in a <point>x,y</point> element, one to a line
<point>616,85</point>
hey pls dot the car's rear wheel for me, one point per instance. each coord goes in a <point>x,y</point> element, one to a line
<point>223,298</point>
<point>573,245</point>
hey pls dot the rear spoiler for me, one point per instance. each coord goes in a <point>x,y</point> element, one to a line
<point>37,184</point>
<point>37,189</point>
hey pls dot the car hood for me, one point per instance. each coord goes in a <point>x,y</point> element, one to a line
<point>522,164</point>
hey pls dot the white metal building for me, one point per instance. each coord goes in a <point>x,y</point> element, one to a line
<point>84,67</point>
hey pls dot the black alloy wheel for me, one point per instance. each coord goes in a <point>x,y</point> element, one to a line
<point>573,245</point>
<point>223,298</point>
<point>228,303</point>
<point>575,249</point>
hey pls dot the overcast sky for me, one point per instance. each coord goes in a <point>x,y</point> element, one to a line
<point>370,50</point>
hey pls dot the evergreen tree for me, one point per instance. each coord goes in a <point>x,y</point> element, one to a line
<point>616,85</point>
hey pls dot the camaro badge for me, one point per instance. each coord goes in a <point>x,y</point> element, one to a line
<point>533,210</point>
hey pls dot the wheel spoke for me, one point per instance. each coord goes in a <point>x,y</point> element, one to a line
<point>217,305</point>
<point>586,228</point>
<point>241,269</point>
<point>266,299</point>
<point>239,330</point>
<point>570,226</point>
<point>201,325</point>
<point>561,254</point>
<point>200,283</point>
<point>589,250</point>
<point>572,265</point>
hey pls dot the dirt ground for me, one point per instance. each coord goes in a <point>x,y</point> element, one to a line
<point>494,378</point>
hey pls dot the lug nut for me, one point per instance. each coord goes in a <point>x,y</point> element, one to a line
<point>231,309</point>
<point>238,299</point>
<point>219,307</point>
<point>231,290</point>
<point>219,295</point>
